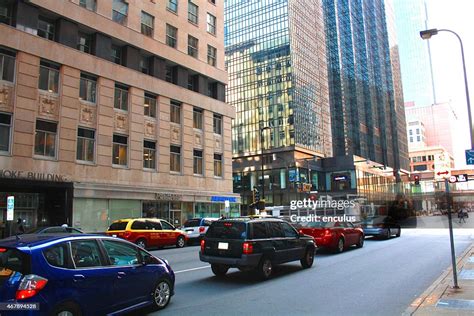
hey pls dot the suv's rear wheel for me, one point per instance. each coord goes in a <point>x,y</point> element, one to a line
<point>67,309</point>
<point>141,243</point>
<point>162,294</point>
<point>180,242</point>
<point>265,268</point>
<point>388,234</point>
<point>219,269</point>
<point>308,258</point>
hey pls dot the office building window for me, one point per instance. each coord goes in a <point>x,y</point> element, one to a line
<point>197,118</point>
<point>88,88</point>
<point>212,89</point>
<point>193,12</point>
<point>149,154</point>
<point>175,112</point>
<point>150,105</point>
<point>88,4</point>
<point>5,128</point>
<point>172,5</point>
<point>144,65</point>
<point>193,82</point>
<point>170,74</point>
<point>212,1</point>
<point>211,24</point>
<point>217,123</point>
<point>175,158</point>
<point>121,97</point>
<point>211,55</point>
<point>49,77</point>
<point>117,54</point>
<point>119,150</point>
<point>147,24</point>
<point>171,35</point>
<point>84,42</point>
<point>85,144</point>
<point>119,11</point>
<point>218,165</point>
<point>45,138</point>
<point>7,65</point>
<point>46,28</point>
<point>197,161</point>
<point>193,46</point>
<point>6,11</point>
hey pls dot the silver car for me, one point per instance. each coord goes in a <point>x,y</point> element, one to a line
<point>196,228</point>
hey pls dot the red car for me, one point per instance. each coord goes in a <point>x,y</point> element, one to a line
<point>335,236</point>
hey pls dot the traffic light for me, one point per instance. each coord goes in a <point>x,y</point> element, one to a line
<point>416,178</point>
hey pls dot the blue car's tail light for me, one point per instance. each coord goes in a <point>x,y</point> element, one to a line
<point>30,285</point>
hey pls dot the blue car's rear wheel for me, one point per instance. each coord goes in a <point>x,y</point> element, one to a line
<point>67,309</point>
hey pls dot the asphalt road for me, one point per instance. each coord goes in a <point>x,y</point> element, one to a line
<point>382,278</point>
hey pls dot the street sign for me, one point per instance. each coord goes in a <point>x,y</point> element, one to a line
<point>442,166</point>
<point>470,156</point>
<point>458,178</point>
<point>10,207</point>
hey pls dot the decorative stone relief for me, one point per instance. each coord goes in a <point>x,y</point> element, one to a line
<point>198,142</point>
<point>48,105</point>
<point>218,143</point>
<point>175,134</point>
<point>6,97</point>
<point>121,122</point>
<point>88,114</point>
<point>150,128</point>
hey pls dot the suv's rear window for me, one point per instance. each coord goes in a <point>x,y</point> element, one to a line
<point>12,260</point>
<point>192,222</point>
<point>227,230</point>
<point>118,226</point>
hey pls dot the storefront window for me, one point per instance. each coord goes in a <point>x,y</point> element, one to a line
<point>90,215</point>
<point>119,209</point>
<point>153,209</point>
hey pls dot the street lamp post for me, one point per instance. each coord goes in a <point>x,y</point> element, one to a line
<point>427,34</point>
<point>261,158</point>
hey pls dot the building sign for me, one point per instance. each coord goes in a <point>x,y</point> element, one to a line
<point>340,178</point>
<point>30,175</point>
<point>10,207</point>
<point>442,166</point>
<point>459,178</point>
<point>168,197</point>
<point>216,198</point>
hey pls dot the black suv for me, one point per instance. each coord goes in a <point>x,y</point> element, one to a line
<point>254,244</point>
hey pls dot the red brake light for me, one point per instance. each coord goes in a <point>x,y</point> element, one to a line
<point>127,234</point>
<point>228,224</point>
<point>327,232</point>
<point>203,244</point>
<point>3,249</point>
<point>30,285</point>
<point>247,248</point>
<point>202,229</point>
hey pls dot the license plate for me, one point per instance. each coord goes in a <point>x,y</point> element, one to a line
<point>223,246</point>
<point>114,235</point>
<point>189,231</point>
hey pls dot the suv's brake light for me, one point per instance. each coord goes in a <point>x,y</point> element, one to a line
<point>202,229</point>
<point>127,234</point>
<point>203,245</point>
<point>247,248</point>
<point>3,249</point>
<point>30,285</point>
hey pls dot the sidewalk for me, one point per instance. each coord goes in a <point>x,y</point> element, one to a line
<point>441,299</point>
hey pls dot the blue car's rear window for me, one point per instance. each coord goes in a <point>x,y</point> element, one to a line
<point>13,260</point>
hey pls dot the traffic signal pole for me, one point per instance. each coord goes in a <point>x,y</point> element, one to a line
<point>451,236</point>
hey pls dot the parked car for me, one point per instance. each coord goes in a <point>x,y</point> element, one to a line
<point>381,226</point>
<point>55,230</point>
<point>148,232</point>
<point>82,275</point>
<point>334,236</point>
<point>254,244</point>
<point>196,228</point>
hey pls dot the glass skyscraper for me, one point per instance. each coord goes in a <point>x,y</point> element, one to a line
<point>364,82</point>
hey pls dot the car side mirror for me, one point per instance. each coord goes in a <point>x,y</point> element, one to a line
<point>147,259</point>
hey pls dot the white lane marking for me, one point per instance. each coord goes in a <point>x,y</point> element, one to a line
<point>187,270</point>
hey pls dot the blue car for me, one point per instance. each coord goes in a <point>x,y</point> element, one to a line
<point>80,275</point>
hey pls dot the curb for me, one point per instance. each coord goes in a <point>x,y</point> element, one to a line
<point>415,305</point>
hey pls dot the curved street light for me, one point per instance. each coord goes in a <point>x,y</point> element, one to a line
<point>427,34</point>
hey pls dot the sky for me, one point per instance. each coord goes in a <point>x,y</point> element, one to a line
<point>455,15</point>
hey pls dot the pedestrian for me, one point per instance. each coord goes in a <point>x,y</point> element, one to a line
<point>462,215</point>
<point>19,227</point>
